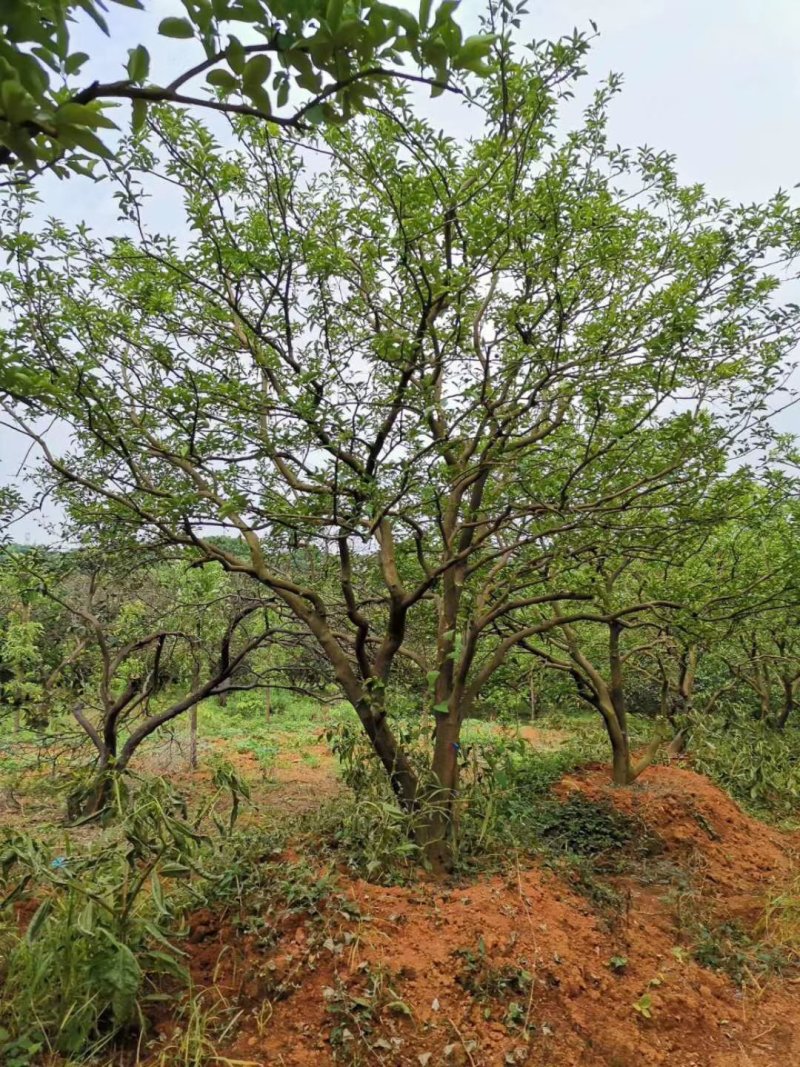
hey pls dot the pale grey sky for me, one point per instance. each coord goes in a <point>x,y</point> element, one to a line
<point>717,82</point>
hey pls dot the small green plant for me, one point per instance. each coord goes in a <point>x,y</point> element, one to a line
<point>486,982</point>
<point>644,1006</point>
<point>20,1051</point>
<point>360,1018</point>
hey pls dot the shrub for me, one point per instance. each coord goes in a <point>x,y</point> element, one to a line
<point>758,765</point>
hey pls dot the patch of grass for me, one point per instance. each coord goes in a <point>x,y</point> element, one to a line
<point>781,922</point>
<point>730,949</point>
<point>727,946</point>
<point>204,1022</point>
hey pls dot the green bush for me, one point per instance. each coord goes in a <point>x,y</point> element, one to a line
<point>101,944</point>
<point>753,761</point>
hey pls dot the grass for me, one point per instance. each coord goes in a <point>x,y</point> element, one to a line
<point>780,925</point>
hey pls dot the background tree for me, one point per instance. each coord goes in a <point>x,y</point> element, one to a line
<point>148,658</point>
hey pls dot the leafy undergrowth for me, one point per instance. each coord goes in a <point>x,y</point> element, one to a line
<point>756,763</point>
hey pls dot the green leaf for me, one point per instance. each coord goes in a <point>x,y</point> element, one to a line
<point>174,27</point>
<point>255,73</point>
<point>319,114</point>
<point>472,54</point>
<point>83,138</point>
<point>139,115</point>
<point>333,13</point>
<point>73,114</point>
<point>38,920</point>
<point>441,708</point>
<point>222,79</point>
<point>644,1006</point>
<point>74,62</point>
<point>31,74</point>
<point>235,55</point>
<point>18,105</point>
<point>138,63</point>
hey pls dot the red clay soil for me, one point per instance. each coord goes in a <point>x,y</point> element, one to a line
<point>401,952</point>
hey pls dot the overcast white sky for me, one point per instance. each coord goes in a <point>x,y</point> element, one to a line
<point>717,82</point>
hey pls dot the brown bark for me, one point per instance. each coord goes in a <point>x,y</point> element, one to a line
<point>193,738</point>
<point>193,720</point>
<point>788,702</point>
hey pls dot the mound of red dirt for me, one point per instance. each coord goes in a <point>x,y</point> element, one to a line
<point>733,857</point>
<point>521,969</point>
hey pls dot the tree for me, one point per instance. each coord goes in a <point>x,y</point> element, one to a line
<point>137,643</point>
<point>20,648</point>
<point>311,61</point>
<point>410,383</point>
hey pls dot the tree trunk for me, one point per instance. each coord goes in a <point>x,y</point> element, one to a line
<point>436,830</point>
<point>532,697</point>
<point>616,716</point>
<point>397,765</point>
<point>193,720</point>
<point>620,753</point>
<point>788,703</point>
<point>193,738</point>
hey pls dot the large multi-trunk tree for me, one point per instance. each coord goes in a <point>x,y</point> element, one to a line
<point>405,370</point>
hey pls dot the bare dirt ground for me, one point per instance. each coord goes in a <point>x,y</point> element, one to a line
<point>522,969</point>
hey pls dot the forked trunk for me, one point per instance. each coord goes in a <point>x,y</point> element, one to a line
<point>677,745</point>
<point>625,769</point>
